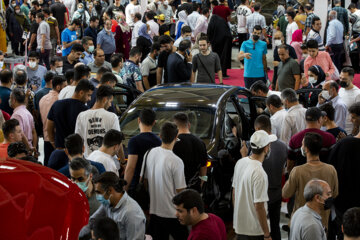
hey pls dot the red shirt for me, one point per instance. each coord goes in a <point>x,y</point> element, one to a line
<point>212,228</point>
<point>6,115</point>
<point>222,11</point>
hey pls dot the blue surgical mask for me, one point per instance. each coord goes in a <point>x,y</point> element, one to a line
<point>83,186</point>
<point>102,200</point>
<point>81,10</point>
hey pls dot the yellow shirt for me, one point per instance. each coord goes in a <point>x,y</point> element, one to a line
<point>300,20</point>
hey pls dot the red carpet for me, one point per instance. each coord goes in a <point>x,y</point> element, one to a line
<point>237,78</point>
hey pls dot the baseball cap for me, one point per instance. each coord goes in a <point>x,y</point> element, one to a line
<point>313,114</point>
<point>261,139</point>
<point>161,17</point>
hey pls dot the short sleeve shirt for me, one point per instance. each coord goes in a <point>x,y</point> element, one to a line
<point>254,67</point>
<point>36,76</point>
<point>206,65</point>
<point>68,37</point>
<point>131,73</point>
<point>162,63</point>
<point>286,72</point>
<point>44,29</point>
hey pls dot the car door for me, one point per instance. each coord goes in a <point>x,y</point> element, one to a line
<point>123,97</point>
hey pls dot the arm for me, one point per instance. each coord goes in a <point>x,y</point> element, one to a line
<point>32,39</point>
<point>159,72</point>
<point>180,190</point>
<point>35,138</point>
<point>264,63</point>
<point>57,34</point>
<point>220,76</point>
<point>289,188</point>
<point>331,67</point>
<point>50,128</point>
<point>25,141</point>
<point>66,17</point>
<point>42,41</point>
<point>135,225</point>
<point>130,169</point>
<point>261,214</point>
<point>139,86</point>
<point>146,82</point>
<point>69,44</point>
<point>203,172</point>
<point>192,79</point>
<point>330,36</point>
<point>297,82</point>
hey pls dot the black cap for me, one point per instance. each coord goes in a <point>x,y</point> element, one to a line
<point>313,114</point>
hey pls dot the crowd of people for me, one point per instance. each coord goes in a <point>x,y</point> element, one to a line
<point>77,51</point>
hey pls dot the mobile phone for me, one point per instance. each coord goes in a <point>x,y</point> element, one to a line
<point>187,52</point>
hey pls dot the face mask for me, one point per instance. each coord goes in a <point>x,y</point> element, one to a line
<point>32,64</point>
<point>98,7</point>
<point>187,38</point>
<point>303,152</point>
<point>9,102</point>
<point>255,37</point>
<point>304,56</point>
<point>277,42</point>
<point>13,5</point>
<point>108,29</point>
<point>81,10</point>
<point>312,80</point>
<point>102,200</point>
<point>1,64</point>
<point>286,19</point>
<point>83,186</point>
<point>325,94</point>
<point>343,84</point>
<point>166,3</point>
<point>17,11</point>
<point>59,70</point>
<point>91,49</point>
<point>328,203</point>
<point>149,32</point>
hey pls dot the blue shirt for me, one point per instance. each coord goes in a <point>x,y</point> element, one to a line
<point>5,95</point>
<point>254,67</point>
<point>68,37</point>
<point>91,32</point>
<point>88,58</point>
<point>106,41</point>
<point>335,33</point>
<point>130,73</point>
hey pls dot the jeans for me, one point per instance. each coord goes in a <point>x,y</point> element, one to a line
<point>244,237</point>
<point>15,45</point>
<point>45,58</point>
<point>337,51</point>
<point>160,228</point>
<point>250,81</point>
<point>48,149</point>
<point>274,215</point>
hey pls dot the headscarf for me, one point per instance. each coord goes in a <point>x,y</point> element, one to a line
<point>280,11</point>
<point>122,23</point>
<point>181,22</point>
<point>317,70</point>
<point>143,32</point>
<point>297,36</point>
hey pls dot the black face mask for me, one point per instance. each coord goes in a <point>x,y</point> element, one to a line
<point>255,37</point>
<point>343,84</point>
<point>98,7</point>
<point>328,203</point>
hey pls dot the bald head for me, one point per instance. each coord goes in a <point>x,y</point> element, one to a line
<point>316,187</point>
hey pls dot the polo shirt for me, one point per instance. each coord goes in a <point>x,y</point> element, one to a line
<point>67,36</point>
<point>94,68</point>
<point>254,67</point>
<point>106,42</point>
<point>286,72</point>
<point>67,65</point>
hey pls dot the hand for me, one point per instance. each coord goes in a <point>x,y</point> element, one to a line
<point>267,40</point>
<point>267,238</point>
<point>188,57</point>
<point>34,87</point>
<point>340,136</point>
<point>58,42</point>
<point>321,100</point>
<point>244,150</point>
<point>42,50</point>
<point>247,55</point>
<point>29,47</point>
<point>78,41</point>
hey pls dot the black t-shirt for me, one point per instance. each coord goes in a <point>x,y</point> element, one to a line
<point>335,131</point>
<point>162,63</point>
<point>163,29</point>
<point>67,65</point>
<point>58,10</point>
<point>193,153</point>
<point>33,29</point>
<point>138,145</point>
<point>64,113</point>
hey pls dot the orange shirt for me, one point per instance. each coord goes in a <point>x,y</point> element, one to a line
<point>3,151</point>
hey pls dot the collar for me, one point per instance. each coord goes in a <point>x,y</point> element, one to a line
<point>121,202</point>
<point>295,107</point>
<point>87,54</point>
<point>315,214</point>
<point>314,30</point>
<point>287,60</point>
<point>182,57</point>
<point>335,99</point>
<point>19,107</point>
<point>53,92</point>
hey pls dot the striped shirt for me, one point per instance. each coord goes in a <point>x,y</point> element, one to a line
<point>316,36</point>
<point>308,21</point>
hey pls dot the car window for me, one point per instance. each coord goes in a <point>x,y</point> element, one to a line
<point>122,99</point>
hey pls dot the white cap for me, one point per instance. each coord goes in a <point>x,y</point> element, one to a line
<point>261,139</point>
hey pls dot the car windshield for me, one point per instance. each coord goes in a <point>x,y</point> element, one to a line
<point>201,120</point>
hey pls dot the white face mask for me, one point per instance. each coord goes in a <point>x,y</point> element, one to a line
<point>149,32</point>
<point>17,11</point>
<point>325,94</point>
<point>166,3</point>
<point>277,42</point>
<point>303,152</point>
<point>312,80</point>
<point>59,70</point>
<point>1,64</point>
<point>304,56</point>
<point>32,64</point>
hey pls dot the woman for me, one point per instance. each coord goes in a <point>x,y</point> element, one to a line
<point>180,23</point>
<point>84,16</point>
<point>296,44</point>
<point>144,41</point>
<point>17,25</point>
<point>316,78</point>
<point>123,36</point>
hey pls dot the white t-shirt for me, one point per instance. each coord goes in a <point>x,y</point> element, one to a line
<point>277,122</point>
<point>349,97</point>
<point>131,9</point>
<point>242,12</point>
<point>250,184</point>
<point>135,32</point>
<point>92,125</point>
<point>154,28</point>
<point>105,159</point>
<point>67,92</point>
<point>165,173</point>
<point>290,29</point>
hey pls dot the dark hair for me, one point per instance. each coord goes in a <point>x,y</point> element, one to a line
<point>34,54</point>
<point>190,199</point>
<point>351,222</point>
<point>104,91</point>
<point>204,38</point>
<point>102,70</point>
<point>308,7</point>
<point>40,15</point>
<point>352,6</point>
<point>84,85</point>
<point>6,76</point>
<point>184,44</point>
<point>16,148</point>
<point>85,40</point>
<point>185,29</point>
<point>77,48</point>
<point>257,6</point>
<point>155,47</point>
<point>150,14</point>
<point>110,179</point>
<point>77,22</point>
<point>334,84</point>
<point>106,229</point>
<point>289,94</point>
<point>116,59</point>
<point>195,6</point>
<point>257,151</point>
<point>49,76</point>
<point>315,18</point>
<point>263,123</point>
<point>19,95</point>
<point>96,51</point>
<point>69,75</point>
<point>108,77</point>
<point>291,14</point>
<point>74,144</point>
<point>35,3</point>
<point>137,15</point>
<point>113,137</point>
<point>329,109</point>
<point>9,127</point>
<point>147,116</point>
<point>81,163</point>
<point>214,2</point>
<point>303,46</point>
<point>168,132</point>
<point>46,10</point>
<point>181,119</point>
<point>349,71</point>
<point>274,100</point>
<point>313,142</point>
<point>312,43</point>
<point>355,109</point>
<point>257,27</point>
<point>283,46</point>
<point>205,11</point>
<point>94,18</point>
<point>55,59</point>
<point>20,77</point>
<point>164,39</point>
<point>81,71</point>
<point>259,85</point>
<point>57,81</point>
<point>134,52</point>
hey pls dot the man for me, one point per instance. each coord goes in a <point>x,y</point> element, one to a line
<point>54,31</point>
<point>320,58</point>
<point>201,25</point>
<point>87,58</point>
<point>149,66</point>
<point>91,30</point>
<point>26,120</point>
<point>45,104</point>
<point>334,40</point>
<point>192,18</point>
<point>59,12</point>
<point>256,19</point>
<point>130,73</point>
<point>96,81</point>
<point>185,34</point>
<point>48,78</point>
<point>56,65</point>
<point>330,95</point>
<point>294,120</point>
<point>309,9</point>
<point>291,27</point>
<point>306,222</point>
<point>73,57</point>
<point>117,63</point>
<point>105,229</point>
<point>192,152</point>
<point>179,63</point>
<point>135,31</point>
<point>206,64</point>
<point>92,124</point>
<point>110,151</point>
<point>12,133</point>
<point>106,79</point>
<point>80,72</point>
<point>288,72</point>
<point>99,61</point>
<point>33,30</point>
<point>2,56</point>
<point>69,37</point>
<point>314,33</point>
<point>222,11</point>
<point>329,123</point>
<point>164,172</point>
<point>278,113</point>
<point>242,12</point>
<point>165,9</point>
<point>166,43</point>
<point>63,113</point>
<point>351,224</point>
<point>254,51</point>
<point>312,145</point>
<point>349,93</point>
<point>35,72</point>
<point>119,206</point>
<point>130,11</point>
<point>274,167</point>
<point>154,27</point>
<point>190,212</point>
<point>81,173</point>
<point>250,186</point>
<point>6,80</point>
<point>342,15</point>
